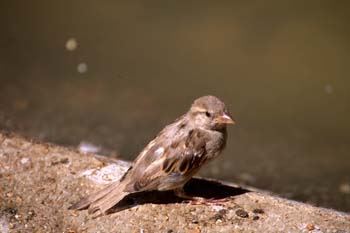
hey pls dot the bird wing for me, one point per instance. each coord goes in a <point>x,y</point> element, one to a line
<point>174,167</point>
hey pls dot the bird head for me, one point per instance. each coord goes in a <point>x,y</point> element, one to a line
<point>210,112</point>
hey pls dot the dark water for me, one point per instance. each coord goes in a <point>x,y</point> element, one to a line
<point>282,67</point>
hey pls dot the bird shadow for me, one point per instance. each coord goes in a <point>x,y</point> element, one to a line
<point>196,187</point>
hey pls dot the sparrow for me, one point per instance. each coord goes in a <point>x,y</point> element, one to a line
<point>171,158</point>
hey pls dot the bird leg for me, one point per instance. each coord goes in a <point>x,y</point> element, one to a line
<point>180,192</point>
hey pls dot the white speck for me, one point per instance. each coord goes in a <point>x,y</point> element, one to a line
<point>71,44</point>
<point>217,208</point>
<point>328,89</point>
<point>142,230</point>
<point>86,147</point>
<point>82,67</point>
<point>160,150</point>
<point>24,160</point>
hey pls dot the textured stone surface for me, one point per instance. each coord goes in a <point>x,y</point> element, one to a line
<point>39,181</point>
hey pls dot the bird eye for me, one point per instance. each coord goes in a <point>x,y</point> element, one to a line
<point>207,114</point>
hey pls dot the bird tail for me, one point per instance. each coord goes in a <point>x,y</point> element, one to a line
<point>102,200</point>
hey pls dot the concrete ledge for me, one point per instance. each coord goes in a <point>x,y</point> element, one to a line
<point>39,181</point>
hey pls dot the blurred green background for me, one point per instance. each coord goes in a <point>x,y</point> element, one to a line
<point>113,73</point>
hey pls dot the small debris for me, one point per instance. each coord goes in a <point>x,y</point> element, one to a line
<point>11,210</point>
<point>256,217</point>
<point>258,211</point>
<point>310,227</point>
<point>75,213</point>
<point>31,215</point>
<point>9,194</point>
<point>60,161</point>
<point>19,200</point>
<point>24,160</point>
<point>11,225</point>
<point>220,215</point>
<point>242,213</point>
<point>106,178</point>
<point>218,221</point>
<point>195,221</point>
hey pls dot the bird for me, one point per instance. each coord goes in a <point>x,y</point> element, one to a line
<point>171,158</point>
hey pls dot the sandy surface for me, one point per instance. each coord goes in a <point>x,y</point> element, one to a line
<point>38,182</point>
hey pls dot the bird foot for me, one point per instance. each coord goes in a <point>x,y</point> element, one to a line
<point>199,200</point>
<point>206,201</point>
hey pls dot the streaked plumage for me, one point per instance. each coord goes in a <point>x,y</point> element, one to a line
<point>172,158</point>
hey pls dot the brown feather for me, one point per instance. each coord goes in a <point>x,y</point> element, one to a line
<point>87,201</point>
<point>115,195</point>
<point>171,159</point>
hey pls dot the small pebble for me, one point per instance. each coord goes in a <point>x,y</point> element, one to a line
<point>258,211</point>
<point>242,213</point>
<point>11,225</point>
<point>256,218</point>
<point>24,160</point>
<point>60,161</point>
<point>9,194</point>
<point>310,227</point>
<point>106,178</point>
<point>11,210</point>
<point>220,215</point>
<point>19,200</point>
<point>195,221</point>
<point>75,213</point>
<point>31,215</point>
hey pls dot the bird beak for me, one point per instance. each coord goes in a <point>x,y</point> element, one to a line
<point>225,118</point>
